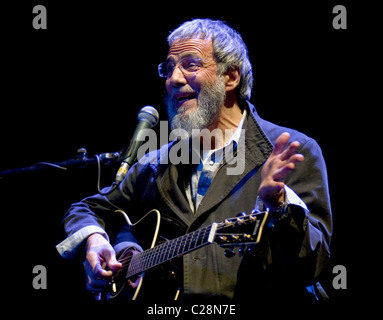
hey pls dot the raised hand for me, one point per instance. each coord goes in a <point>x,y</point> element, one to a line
<point>281,161</point>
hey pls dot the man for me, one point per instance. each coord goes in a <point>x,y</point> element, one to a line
<point>208,86</point>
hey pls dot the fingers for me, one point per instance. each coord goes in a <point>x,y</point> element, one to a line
<point>96,285</point>
<point>111,262</point>
<point>289,159</point>
<point>134,282</point>
<point>96,279</point>
<point>100,255</point>
<point>290,150</point>
<point>281,143</point>
<point>99,270</point>
<point>285,151</point>
<point>280,174</point>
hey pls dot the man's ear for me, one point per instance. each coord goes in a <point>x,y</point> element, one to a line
<point>232,79</point>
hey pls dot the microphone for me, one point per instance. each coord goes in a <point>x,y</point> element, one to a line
<point>147,118</point>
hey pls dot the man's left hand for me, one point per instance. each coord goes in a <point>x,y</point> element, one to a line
<point>281,161</point>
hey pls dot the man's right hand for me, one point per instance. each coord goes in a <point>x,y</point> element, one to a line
<point>99,255</point>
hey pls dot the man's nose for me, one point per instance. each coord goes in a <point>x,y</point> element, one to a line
<point>177,78</point>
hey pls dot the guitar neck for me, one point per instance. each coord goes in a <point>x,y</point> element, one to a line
<point>171,249</point>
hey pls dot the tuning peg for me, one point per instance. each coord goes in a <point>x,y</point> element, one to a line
<point>240,221</point>
<point>223,238</point>
<point>241,251</point>
<point>242,214</point>
<point>250,249</point>
<point>229,253</point>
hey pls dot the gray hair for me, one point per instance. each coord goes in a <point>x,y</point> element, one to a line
<point>229,50</point>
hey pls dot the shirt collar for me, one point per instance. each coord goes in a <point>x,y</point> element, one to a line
<point>237,132</point>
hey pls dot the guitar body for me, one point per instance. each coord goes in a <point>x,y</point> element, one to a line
<point>166,280</point>
<point>164,276</point>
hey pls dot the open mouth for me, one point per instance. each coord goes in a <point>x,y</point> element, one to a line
<point>184,96</point>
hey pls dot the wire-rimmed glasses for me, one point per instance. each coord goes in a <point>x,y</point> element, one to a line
<point>187,65</point>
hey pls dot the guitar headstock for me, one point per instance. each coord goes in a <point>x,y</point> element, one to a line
<point>241,230</point>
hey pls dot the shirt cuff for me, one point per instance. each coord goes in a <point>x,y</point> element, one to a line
<point>290,198</point>
<point>68,248</point>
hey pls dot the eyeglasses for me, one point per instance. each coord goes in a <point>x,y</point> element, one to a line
<point>187,65</point>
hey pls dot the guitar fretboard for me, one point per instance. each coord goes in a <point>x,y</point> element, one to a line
<point>169,250</point>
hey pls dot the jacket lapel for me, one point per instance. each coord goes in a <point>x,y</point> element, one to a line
<point>170,183</point>
<point>256,149</point>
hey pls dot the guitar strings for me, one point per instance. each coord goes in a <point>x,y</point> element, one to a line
<point>158,251</point>
<point>164,249</point>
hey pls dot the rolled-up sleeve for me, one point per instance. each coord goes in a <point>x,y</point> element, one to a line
<point>68,247</point>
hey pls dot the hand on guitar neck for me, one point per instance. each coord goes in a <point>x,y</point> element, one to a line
<point>101,264</point>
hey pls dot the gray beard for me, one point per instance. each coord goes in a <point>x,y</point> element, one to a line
<point>209,103</point>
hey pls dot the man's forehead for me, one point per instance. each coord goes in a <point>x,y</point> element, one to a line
<point>201,47</point>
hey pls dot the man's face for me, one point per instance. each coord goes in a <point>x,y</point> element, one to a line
<point>193,99</point>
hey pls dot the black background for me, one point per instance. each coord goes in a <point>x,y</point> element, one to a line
<point>81,83</point>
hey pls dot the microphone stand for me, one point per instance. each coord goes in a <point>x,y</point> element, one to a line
<point>81,160</point>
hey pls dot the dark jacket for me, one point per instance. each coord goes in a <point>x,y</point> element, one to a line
<point>291,255</point>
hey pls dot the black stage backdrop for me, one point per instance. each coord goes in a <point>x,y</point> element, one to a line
<point>81,82</point>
